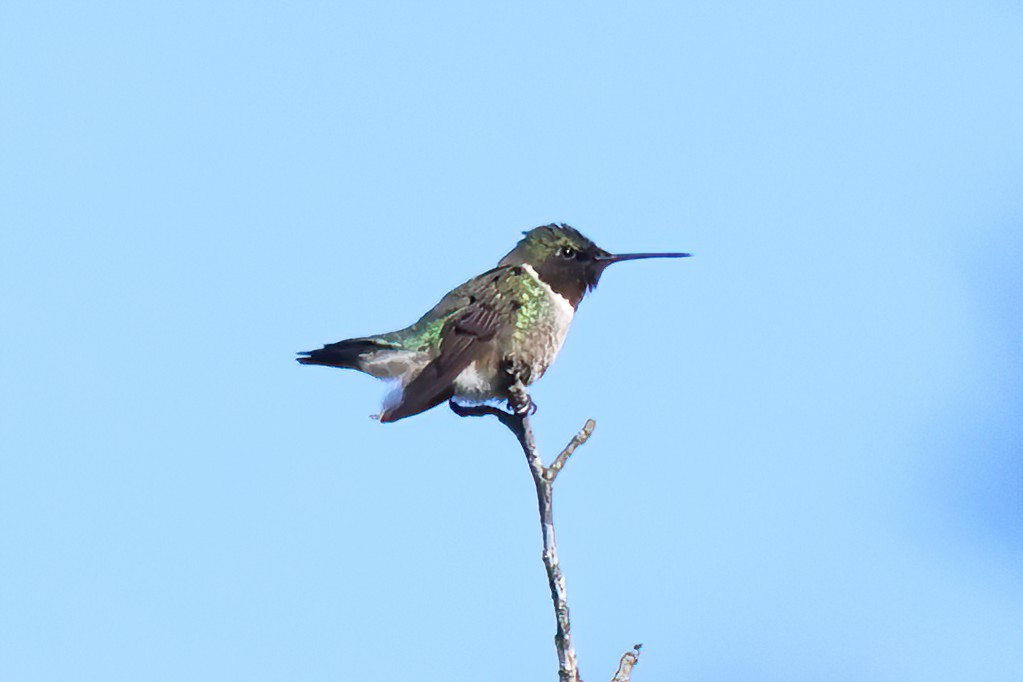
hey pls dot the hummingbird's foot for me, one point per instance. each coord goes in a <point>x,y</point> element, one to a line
<point>522,406</point>
<point>519,401</point>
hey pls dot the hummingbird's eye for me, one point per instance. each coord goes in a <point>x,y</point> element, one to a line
<point>566,252</point>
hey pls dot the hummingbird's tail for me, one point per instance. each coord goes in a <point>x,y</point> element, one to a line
<point>341,354</point>
<point>378,357</point>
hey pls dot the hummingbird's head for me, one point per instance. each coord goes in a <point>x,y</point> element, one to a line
<point>567,261</point>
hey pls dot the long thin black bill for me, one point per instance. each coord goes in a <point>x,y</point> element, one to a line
<point>618,257</point>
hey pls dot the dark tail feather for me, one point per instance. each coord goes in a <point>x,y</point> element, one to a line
<point>340,354</point>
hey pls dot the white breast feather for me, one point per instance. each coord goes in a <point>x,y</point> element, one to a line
<point>472,385</point>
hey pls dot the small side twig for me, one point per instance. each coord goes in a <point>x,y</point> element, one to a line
<point>584,435</point>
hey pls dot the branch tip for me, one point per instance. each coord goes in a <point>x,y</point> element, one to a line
<point>628,661</point>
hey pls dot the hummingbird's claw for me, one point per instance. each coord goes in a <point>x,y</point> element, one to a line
<point>526,408</point>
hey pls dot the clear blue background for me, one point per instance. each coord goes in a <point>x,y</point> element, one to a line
<point>808,462</point>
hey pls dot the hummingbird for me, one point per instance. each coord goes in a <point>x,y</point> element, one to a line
<point>508,323</point>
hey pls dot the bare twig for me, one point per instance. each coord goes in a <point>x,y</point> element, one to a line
<point>568,669</point>
<point>584,435</point>
<point>625,665</point>
<point>543,478</point>
<point>517,422</point>
<point>510,420</point>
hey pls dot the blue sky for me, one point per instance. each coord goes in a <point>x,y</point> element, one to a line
<point>808,460</point>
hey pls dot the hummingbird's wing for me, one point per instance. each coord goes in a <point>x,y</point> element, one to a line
<point>464,339</point>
